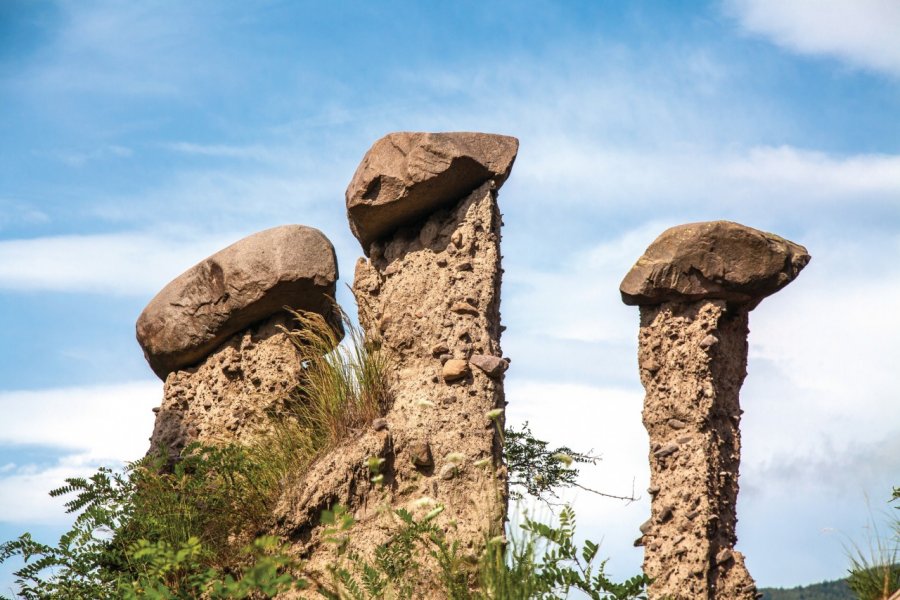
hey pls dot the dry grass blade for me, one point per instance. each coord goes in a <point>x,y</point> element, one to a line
<point>342,389</point>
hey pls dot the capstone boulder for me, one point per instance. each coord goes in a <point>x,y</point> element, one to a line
<point>713,260</point>
<point>407,176</point>
<point>251,280</point>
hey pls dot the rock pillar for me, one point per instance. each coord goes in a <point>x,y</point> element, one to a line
<point>424,207</point>
<point>212,334</point>
<point>695,286</point>
<point>430,291</point>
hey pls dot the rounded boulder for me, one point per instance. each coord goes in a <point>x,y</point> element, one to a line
<point>713,260</point>
<point>251,280</point>
<point>406,176</point>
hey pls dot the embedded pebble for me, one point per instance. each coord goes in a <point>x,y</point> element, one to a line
<point>493,366</point>
<point>709,341</point>
<point>420,454</point>
<point>666,450</point>
<point>455,369</point>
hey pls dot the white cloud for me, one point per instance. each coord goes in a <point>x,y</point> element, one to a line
<point>81,157</point>
<point>24,493</point>
<point>132,263</point>
<point>862,33</point>
<point>249,152</point>
<point>757,179</point>
<point>91,426</point>
<point>113,49</point>
<point>104,422</point>
<point>13,212</point>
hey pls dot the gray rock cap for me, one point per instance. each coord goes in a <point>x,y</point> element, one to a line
<point>406,176</point>
<point>254,278</point>
<point>716,260</point>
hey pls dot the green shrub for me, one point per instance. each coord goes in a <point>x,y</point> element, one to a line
<point>542,562</point>
<point>155,528</point>
<point>168,573</point>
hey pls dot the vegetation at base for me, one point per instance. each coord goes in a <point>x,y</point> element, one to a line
<point>152,533</point>
<point>542,562</point>
<point>192,525</point>
<point>128,541</point>
<point>190,528</point>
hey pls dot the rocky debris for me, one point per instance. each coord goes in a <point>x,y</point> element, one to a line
<point>713,260</point>
<point>407,176</point>
<point>449,471</point>
<point>455,369</point>
<point>493,366</point>
<point>696,285</point>
<point>235,288</point>
<point>420,454</point>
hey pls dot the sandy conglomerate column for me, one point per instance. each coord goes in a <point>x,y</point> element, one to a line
<point>424,207</point>
<point>434,300</point>
<point>695,286</point>
<point>212,334</point>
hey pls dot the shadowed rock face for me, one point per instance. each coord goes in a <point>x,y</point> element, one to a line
<point>717,259</point>
<point>227,396</point>
<point>696,286</point>
<point>251,280</point>
<point>405,176</point>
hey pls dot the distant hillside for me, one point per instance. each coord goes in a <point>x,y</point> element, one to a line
<point>827,590</point>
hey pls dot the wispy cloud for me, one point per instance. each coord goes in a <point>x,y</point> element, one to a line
<point>79,158</point>
<point>256,152</point>
<point>862,33</point>
<point>94,422</point>
<point>90,426</point>
<point>123,50</point>
<point>132,263</point>
<point>14,212</point>
<point>746,181</point>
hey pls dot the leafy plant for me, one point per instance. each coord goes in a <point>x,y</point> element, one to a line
<point>82,559</point>
<point>542,563</point>
<point>545,563</point>
<point>539,471</point>
<point>169,573</point>
<point>156,528</point>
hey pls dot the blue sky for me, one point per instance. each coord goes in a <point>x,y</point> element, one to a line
<point>138,138</point>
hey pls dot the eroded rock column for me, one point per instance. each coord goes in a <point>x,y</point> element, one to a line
<point>430,291</point>
<point>695,286</point>
<point>424,207</point>
<point>212,334</point>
